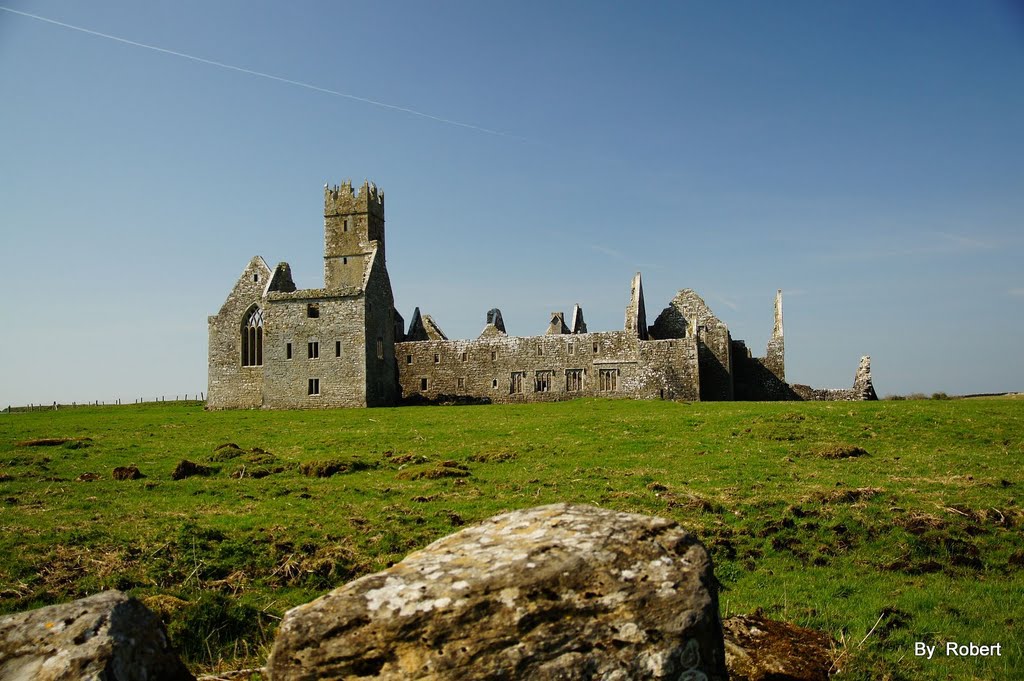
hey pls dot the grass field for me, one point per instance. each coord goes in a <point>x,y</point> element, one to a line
<point>882,523</point>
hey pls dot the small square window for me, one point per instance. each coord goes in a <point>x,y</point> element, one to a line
<point>337,348</point>
<point>408,359</point>
<point>314,386</point>
<point>287,350</point>
<point>313,311</point>
<point>313,349</point>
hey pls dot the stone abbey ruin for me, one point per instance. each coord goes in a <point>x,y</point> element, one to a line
<point>272,345</point>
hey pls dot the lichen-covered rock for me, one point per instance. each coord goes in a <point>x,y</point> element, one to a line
<point>100,638</point>
<point>554,592</point>
<point>759,649</point>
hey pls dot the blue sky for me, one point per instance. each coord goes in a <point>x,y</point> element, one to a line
<point>867,158</point>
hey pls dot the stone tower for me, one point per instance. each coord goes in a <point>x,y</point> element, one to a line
<point>353,229</point>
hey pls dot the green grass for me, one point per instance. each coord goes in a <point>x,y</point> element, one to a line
<point>918,537</point>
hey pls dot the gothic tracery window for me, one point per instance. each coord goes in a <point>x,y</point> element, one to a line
<point>252,338</point>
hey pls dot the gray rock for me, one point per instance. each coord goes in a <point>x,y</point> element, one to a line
<point>106,637</point>
<point>554,592</point>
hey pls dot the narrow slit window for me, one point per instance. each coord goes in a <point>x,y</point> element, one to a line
<point>337,348</point>
<point>408,359</point>
<point>380,347</point>
<point>287,350</point>
<point>437,358</point>
<point>423,384</point>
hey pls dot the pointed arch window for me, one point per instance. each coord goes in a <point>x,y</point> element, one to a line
<point>252,338</point>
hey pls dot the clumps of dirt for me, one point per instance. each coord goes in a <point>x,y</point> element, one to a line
<point>325,469</point>
<point>187,469</point>
<point>691,502</point>
<point>72,442</point>
<point>757,648</point>
<point>88,477</point>
<point>1016,560</point>
<point>4,477</point>
<point>919,523</point>
<point>445,469</point>
<point>840,451</point>
<point>846,496</point>
<point>493,457</point>
<point>127,473</point>
<point>164,605</point>
<point>314,565</point>
<point>256,471</point>
<point>987,516</point>
<point>657,487</point>
<point>404,459</point>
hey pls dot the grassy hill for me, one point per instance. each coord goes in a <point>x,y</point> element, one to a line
<point>881,523</point>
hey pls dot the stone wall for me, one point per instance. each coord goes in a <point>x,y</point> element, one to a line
<point>232,385</point>
<point>688,315</point>
<point>513,369</point>
<point>338,366</point>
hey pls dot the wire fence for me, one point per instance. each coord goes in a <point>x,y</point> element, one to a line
<point>192,398</point>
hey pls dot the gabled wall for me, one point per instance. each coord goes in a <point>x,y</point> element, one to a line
<point>231,385</point>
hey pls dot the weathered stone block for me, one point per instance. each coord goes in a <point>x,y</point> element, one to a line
<point>554,592</point>
<point>102,638</point>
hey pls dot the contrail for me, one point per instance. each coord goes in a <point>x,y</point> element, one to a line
<point>289,81</point>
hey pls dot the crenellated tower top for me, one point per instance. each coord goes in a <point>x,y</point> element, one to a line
<point>353,231</point>
<point>344,200</point>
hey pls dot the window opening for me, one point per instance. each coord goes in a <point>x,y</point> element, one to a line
<point>423,384</point>
<point>462,383</point>
<point>573,380</point>
<point>380,347</point>
<point>516,383</point>
<point>608,379</point>
<point>287,350</point>
<point>252,338</point>
<point>542,382</point>
<point>337,348</point>
<point>313,311</point>
<point>314,386</point>
<point>313,349</point>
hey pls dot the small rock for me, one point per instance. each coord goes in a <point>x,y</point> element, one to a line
<point>106,636</point>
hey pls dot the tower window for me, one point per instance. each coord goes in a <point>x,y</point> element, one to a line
<point>408,359</point>
<point>595,348</point>
<point>313,349</point>
<point>344,261</point>
<point>337,348</point>
<point>314,386</point>
<point>380,347</point>
<point>569,348</point>
<point>255,277</point>
<point>540,351</point>
<point>463,357</point>
<point>344,225</point>
<point>252,338</point>
<point>313,311</point>
<point>437,358</point>
<point>287,350</point>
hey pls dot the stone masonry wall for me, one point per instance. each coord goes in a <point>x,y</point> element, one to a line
<point>231,385</point>
<point>341,375</point>
<point>379,337</point>
<point>484,368</point>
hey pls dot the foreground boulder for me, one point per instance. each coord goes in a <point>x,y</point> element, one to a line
<point>105,637</point>
<point>554,592</point>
